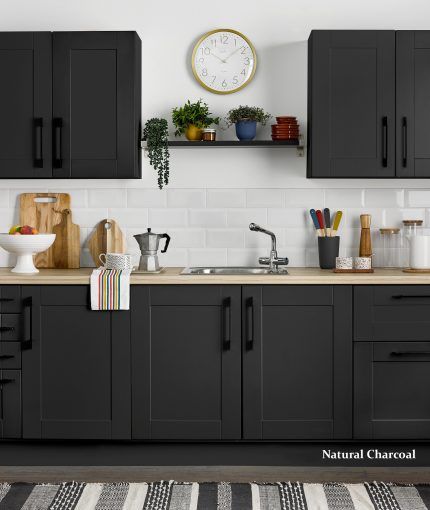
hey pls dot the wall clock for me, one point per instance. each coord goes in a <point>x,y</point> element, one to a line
<point>224,61</point>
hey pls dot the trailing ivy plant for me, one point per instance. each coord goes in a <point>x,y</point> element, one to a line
<point>156,133</point>
<point>196,114</point>
<point>250,113</point>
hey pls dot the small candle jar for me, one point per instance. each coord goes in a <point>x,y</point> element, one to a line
<point>208,135</point>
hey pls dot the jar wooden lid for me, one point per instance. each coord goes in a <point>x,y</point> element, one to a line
<point>413,222</point>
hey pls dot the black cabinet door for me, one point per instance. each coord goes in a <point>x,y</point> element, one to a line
<point>96,104</point>
<point>25,105</point>
<point>76,367</point>
<point>413,103</point>
<point>391,390</point>
<point>351,109</point>
<point>10,404</point>
<point>297,362</point>
<point>186,362</point>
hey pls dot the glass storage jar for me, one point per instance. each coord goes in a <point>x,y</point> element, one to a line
<point>411,228</point>
<point>391,247</point>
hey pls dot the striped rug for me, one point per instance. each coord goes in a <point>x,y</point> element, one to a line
<point>214,496</point>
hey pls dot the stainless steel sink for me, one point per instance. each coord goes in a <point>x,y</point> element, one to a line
<point>231,270</point>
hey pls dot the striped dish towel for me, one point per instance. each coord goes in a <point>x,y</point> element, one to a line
<point>110,289</point>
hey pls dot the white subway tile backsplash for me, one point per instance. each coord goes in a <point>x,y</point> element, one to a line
<point>383,198</point>
<point>174,258</point>
<point>243,217</point>
<point>207,218</point>
<point>208,257</point>
<point>146,198</point>
<point>298,218</point>
<point>166,218</point>
<point>244,257</point>
<point>351,218</point>
<point>8,218</point>
<point>191,198</point>
<point>259,240</point>
<point>340,198</point>
<point>187,238</point>
<point>307,198</point>
<point>107,198</point>
<point>418,198</point>
<point>15,193</point>
<point>78,197</point>
<point>130,217</point>
<point>395,217</point>
<point>265,198</point>
<point>225,238</point>
<point>4,198</point>
<point>225,198</point>
<point>88,218</point>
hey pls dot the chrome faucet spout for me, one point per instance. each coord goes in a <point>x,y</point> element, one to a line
<point>273,261</point>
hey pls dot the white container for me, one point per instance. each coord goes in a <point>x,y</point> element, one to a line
<point>420,252</point>
<point>24,247</point>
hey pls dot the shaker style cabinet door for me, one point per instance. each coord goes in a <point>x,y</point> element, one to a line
<point>297,362</point>
<point>351,103</point>
<point>186,362</point>
<point>25,105</point>
<point>413,103</point>
<point>96,104</point>
<point>75,367</point>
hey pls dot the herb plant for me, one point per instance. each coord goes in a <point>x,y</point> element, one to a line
<point>247,113</point>
<point>197,114</point>
<point>156,133</point>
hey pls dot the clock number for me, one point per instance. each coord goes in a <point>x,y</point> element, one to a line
<point>201,60</point>
<point>224,83</point>
<point>213,79</point>
<point>247,61</point>
<point>213,42</point>
<point>243,72</point>
<point>235,80</point>
<point>243,49</point>
<point>223,39</point>
<point>204,72</point>
<point>205,51</point>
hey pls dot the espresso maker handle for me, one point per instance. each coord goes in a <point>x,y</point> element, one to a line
<point>167,237</point>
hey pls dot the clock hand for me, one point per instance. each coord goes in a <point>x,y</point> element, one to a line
<point>231,54</point>
<point>219,58</point>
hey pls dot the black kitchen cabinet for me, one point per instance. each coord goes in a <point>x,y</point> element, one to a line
<point>25,104</point>
<point>351,103</point>
<point>297,362</point>
<point>186,362</point>
<point>413,103</point>
<point>96,104</point>
<point>392,381</point>
<point>75,367</point>
<point>10,404</point>
<point>70,105</point>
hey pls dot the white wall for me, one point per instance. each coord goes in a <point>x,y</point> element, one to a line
<point>208,225</point>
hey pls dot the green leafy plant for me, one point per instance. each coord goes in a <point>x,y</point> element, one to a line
<point>250,113</point>
<point>197,114</point>
<point>156,133</point>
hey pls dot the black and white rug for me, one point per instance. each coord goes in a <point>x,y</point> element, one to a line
<point>214,496</point>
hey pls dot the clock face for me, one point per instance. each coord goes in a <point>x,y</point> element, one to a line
<point>224,61</point>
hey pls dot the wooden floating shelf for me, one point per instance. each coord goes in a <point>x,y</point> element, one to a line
<point>236,143</point>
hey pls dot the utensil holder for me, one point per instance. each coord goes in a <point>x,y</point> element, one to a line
<point>328,250</point>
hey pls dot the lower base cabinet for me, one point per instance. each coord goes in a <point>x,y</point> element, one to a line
<point>10,404</point>
<point>75,368</point>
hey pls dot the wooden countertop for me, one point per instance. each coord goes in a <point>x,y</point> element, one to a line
<point>171,275</point>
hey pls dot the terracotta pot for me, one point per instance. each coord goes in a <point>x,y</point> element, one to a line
<point>193,133</point>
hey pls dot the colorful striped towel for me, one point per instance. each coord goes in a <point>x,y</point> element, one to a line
<point>110,289</point>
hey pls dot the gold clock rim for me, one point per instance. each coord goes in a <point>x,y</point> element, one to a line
<point>202,38</point>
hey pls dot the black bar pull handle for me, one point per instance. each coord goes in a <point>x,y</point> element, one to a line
<point>384,142</point>
<point>6,381</point>
<point>3,329</point>
<point>226,323</point>
<point>6,356</point>
<point>411,296</point>
<point>38,142</point>
<point>57,142</point>
<point>404,142</point>
<point>410,353</point>
<point>249,305</point>
<point>28,324</point>
<point>6,300</point>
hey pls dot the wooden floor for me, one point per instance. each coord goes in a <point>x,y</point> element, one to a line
<point>39,474</point>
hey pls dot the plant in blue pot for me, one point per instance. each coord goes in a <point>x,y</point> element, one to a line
<point>246,118</point>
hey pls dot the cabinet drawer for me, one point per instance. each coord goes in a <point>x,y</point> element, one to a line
<point>11,327</point>
<point>10,299</point>
<point>392,313</point>
<point>391,390</point>
<point>10,355</point>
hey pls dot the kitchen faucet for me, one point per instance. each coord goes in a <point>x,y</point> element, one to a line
<point>273,261</point>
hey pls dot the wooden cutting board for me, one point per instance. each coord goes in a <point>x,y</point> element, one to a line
<point>43,211</point>
<point>108,238</point>
<point>67,245</point>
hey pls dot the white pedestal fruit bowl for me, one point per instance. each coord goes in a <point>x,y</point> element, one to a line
<point>25,247</point>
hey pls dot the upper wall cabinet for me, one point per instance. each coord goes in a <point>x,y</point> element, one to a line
<point>351,104</point>
<point>71,105</point>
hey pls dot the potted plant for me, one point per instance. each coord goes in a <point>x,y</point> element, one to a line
<point>156,133</point>
<point>245,118</point>
<point>191,118</point>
